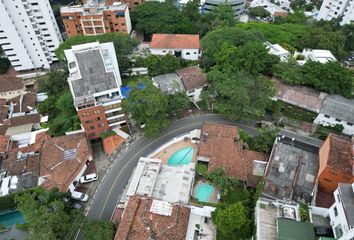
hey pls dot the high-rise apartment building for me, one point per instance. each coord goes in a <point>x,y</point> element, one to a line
<point>96,18</point>
<point>95,82</point>
<point>29,33</point>
<point>337,8</point>
<point>237,5</point>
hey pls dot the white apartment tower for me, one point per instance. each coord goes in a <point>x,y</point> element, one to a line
<point>337,8</point>
<point>29,33</point>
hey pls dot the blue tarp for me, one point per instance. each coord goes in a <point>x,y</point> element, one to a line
<point>127,89</point>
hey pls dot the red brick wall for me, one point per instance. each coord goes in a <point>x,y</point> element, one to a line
<point>329,178</point>
<point>94,121</point>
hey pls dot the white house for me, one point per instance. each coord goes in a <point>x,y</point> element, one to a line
<point>277,50</point>
<point>316,55</point>
<point>337,110</point>
<point>186,46</point>
<point>29,33</point>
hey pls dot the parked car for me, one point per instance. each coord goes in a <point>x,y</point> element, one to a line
<point>89,178</point>
<point>83,197</point>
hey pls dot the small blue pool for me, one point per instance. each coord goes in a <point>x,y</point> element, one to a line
<point>181,157</point>
<point>9,219</point>
<point>203,192</point>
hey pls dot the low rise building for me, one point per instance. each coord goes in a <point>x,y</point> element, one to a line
<point>10,87</point>
<point>168,83</point>
<point>277,50</point>
<point>291,171</point>
<point>144,218</point>
<point>200,225</point>
<point>194,81</point>
<point>94,18</point>
<point>95,82</point>
<point>221,147</point>
<point>186,46</point>
<point>315,55</point>
<point>336,166</point>
<point>63,160</point>
<point>337,110</point>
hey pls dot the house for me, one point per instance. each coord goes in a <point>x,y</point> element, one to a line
<point>200,218</point>
<point>194,81</point>
<point>337,110</point>
<point>336,166</point>
<point>186,46</point>
<point>277,50</point>
<point>94,18</point>
<point>145,218</point>
<point>300,96</point>
<point>220,146</point>
<point>169,83</point>
<point>274,9</point>
<point>94,81</point>
<point>63,160</point>
<point>268,213</point>
<point>11,86</point>
<point>291,171</point>
<point>315,55</point>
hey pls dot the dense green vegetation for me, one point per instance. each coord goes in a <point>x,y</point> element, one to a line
<point>262,141</point>
<point>98,230</point>
<point>4,65</point>
<point>47,215</point>
<point>59,105</point>
<point>331,77</point>
<point>123,45</point>
<point>158,65</point>
<point>258,12</point>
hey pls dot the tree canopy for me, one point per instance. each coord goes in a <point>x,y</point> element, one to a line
<point>4,65</point>
<point>123,45</point>
<point>98,230</point>
<point>158,65</point>
<point>148,106</point>
<point>47,215</point>
<point>160,17</point>
<point>233,222</point>
<point>258,11</point>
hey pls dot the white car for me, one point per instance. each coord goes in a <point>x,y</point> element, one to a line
<point>89,178</point>
<point>83,197</point>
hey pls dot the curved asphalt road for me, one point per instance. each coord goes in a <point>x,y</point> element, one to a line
<point>111,187</point>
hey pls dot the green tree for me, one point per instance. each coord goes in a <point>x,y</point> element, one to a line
<point>54,82</point>
<point>224,183</point>
<point>214,40</point>
<point>240,95</point>
<point>233,222</point>
<point>251,57</point>
<point>297,17</point>
<point>123,45</point>
<point>98,230</point>
<point>4,65</point>
<point>177,103</point>
<point>263,141</point>
<point>47,216</point>
<point>158,65</point>
<point>258,12</point>
<point>297,4</point>
<point>191,12</point>
<point>157,17</point>
<point>148,106</point>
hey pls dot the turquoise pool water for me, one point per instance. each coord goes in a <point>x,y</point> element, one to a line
<point>203,192</point>
<point>181,157</point>
<point>9,219</point>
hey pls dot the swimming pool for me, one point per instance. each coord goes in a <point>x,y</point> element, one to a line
<point>181,157</point>
<point>203,192</point>
<point>9,219</point>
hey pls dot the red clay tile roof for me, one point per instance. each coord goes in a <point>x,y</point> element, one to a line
<point>60,171</point>
<point>340,154</point>
<point>10,83</point>
<point>192,77</point>
<point>221,144</point>
<point>112,143</point>
<point>4,141</point>
<point>25,119</point>
<point>175,41</point>
<point>19,166</point>
<point>28,102</point>
<point>158,227</point>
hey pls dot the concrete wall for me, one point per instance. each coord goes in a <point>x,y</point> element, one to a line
<point>187,54</point>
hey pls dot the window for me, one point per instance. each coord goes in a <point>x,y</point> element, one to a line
<point>326,116</point>
<point>86,114</point>
<point>97,112</point>
<point>335,211</point>
<point>187,53</point>
<point>91,127</point>
<point>338,120</point>
<point>100,125</point>
<point>98,118</point>
<point>338,197</point>
<point>326,179</point>
<point>88,121</point>
<point>350,124</point>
